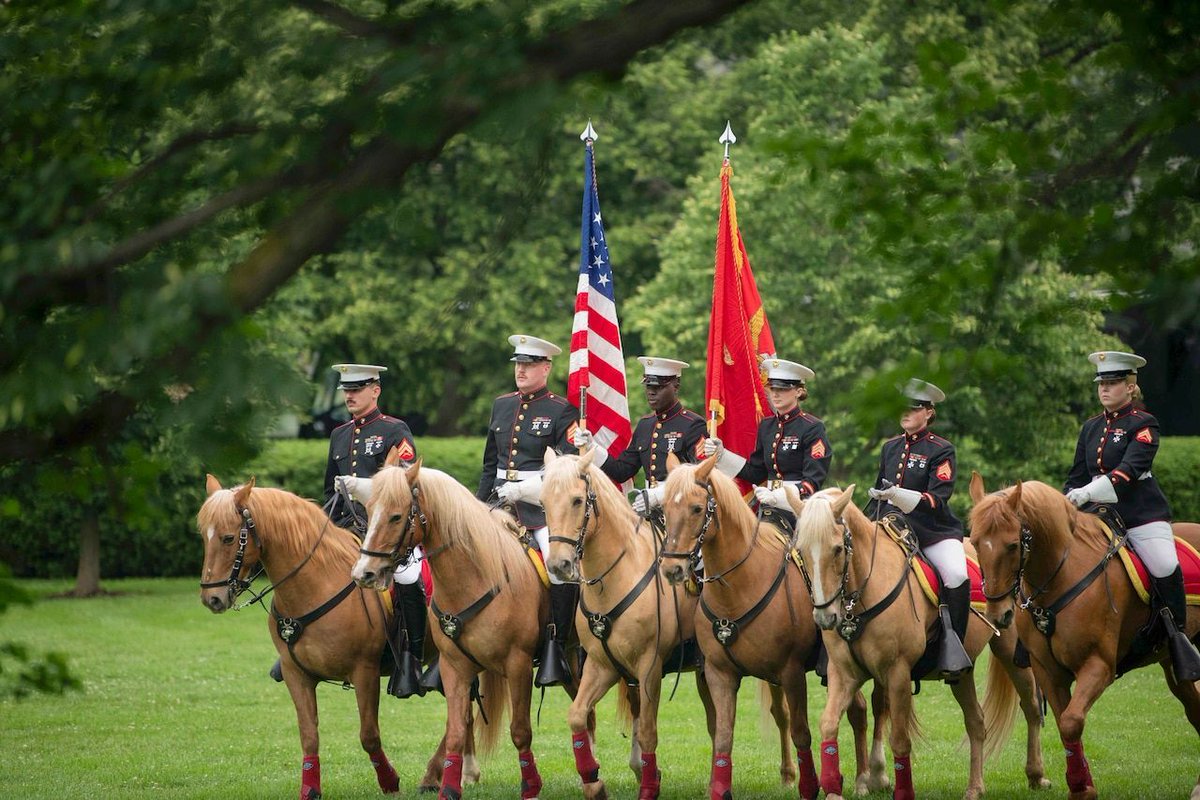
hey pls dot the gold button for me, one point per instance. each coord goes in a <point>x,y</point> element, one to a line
<point>358,430</point>
<point>354,463</point>
<point>516,427</point>
<point>659,425</point>
<point>524,406</point>
<point>520,416</point>
<point>356,441</point>
<point>514,441</point>
<point>512,464</point>
<point>655,436</point>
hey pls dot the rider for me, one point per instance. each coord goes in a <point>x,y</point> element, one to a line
<point>792,446</point>
<point>670,428</point>
<point>1124,441</point>
<point>523,425</point>
<point>916,476</point>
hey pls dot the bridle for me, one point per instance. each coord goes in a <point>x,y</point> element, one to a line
<point>848,550</point>
<point>403,549</point>
<point>1025,543</point>
<point>235,582</point>
<point>590,509</point>
<point>710,514</point>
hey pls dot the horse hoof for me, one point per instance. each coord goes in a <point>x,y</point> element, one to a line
<point>595,791</point>
<point>1044,783</point>
<point>427,788</point>
<point>1087,794</point>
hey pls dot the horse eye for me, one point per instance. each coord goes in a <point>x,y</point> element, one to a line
<point>577,501</point>
<point>1011,547</point>
<point>696,509</point>
<point>227,539</point>
<point>837,549</point>
<point>394,518</point>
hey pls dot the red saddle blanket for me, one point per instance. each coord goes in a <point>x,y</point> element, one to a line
<point>1189,559</point>
<point>928,579</point>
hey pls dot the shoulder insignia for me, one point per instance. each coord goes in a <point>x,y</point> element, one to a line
<point>1145,436</point>
<point>944,471</point>
<point>406,451</point>
<point>818,449</point>
<point>699,452</point>
<point>571,431</point>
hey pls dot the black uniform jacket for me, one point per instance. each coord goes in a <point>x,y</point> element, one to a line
<point>923,462</point>
<point>790,447</point>
<point>675,430</point>
<point>521,428</point>
<point>359,447</point>
<point>1122,444</point>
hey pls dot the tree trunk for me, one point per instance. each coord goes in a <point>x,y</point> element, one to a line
<point>87,579</point>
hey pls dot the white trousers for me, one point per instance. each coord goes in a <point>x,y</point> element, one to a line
<point>950,560</point>
<point>411,572</point>
<point>541,537</point>
<point>1155,544</point>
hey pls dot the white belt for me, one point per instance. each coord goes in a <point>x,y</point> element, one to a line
<point>517,474</point>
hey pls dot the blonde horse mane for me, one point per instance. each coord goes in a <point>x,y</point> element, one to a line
<point>610,502</point>
<point>730,501</point>
<point>458,519</point>
<point>283,521</point>
<point>1044,507</point>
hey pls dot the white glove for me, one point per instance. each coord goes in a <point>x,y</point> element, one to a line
<point>582,439</point>
<point>904,499</point>
<point>713,445</point>
<point>528,491</point>
<point>1100,490</point>
<point>772,497</point>
<point>357,488</point>
<point>648,499</point>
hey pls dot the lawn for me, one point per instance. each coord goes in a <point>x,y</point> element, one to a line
<point>177,704</point>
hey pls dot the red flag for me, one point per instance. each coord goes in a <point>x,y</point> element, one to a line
<point>738,333</point>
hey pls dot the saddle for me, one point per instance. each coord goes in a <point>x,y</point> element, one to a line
<point>522,535</point>
<point>1189,560</point>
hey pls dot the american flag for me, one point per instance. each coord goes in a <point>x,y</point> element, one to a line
<point>597,361</point>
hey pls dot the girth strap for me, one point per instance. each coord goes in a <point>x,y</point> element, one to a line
<point>452,625</point>
<point>601,625</point>
<point>726,631</point>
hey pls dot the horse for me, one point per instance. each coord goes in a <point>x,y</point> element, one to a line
<point>1036,546</point>
<point>856,573</point>
<point>743,628</point>
<point>628,621</point>
<point>489,602</point>
<point>324,628</point>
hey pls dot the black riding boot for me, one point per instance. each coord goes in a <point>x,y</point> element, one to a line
<point>1185,660</point>
<point>553,669</point>
<point>406,676</point>
<point>953,660</point>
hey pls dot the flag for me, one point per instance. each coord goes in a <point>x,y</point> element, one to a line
<point>738,333</point>
<point>597,361</point>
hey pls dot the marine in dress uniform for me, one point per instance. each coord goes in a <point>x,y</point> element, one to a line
<point>1113,460</point>
<point>917,472</point>
<point>669,428</point>
<point>792,446</point>
<point>523,425</point>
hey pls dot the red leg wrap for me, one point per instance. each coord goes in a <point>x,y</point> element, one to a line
<point>651,779</point>
<point>904,786</point>
<point>310,777</point>
<point>585,762</point>
<point>808,783</point>
<point>389,781</point>
<point>831,767</point>
<point>451,777</point>
<point>531,781</point>
<point>1079,774</point>
<point>720,787</point>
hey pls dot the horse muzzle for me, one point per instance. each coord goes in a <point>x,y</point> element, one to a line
<point>217,601</point>
<point>674,573</point>
<point>1004,619</point>
<point>826,620</point>
<point>565,569</point>
<point>368,573</point>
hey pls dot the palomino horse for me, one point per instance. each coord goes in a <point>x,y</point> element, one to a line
<point>489,603</point>
<point>322,625</point>
<point>1035,545</point>
<point>628,621</point>
<point>754,617</point>
<point>857,574</point>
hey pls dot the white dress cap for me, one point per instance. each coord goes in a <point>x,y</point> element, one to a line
<point>922,393</point>
<point>662,367</point>
<point>786,373</point>
<point>355,376</point>
<point>530,348</point>
<point>1112,364</point>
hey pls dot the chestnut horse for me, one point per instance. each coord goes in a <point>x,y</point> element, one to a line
<point>1035,545</point>
<point>324,628</point>
<point>489,602</point>
<point>877,620</point>
<point>754,617</point>
<point>628,621</point>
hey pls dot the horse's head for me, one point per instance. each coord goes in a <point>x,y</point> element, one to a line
<point>395,525</point>
<point>826,547</point>
<point>689,508</point>
<point>569,498</point>
<point>1000,537</point>
<point>231,545</point>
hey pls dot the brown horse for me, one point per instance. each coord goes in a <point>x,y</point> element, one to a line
<point>489,603</point>
<point>754,617</point>
<point>628,621</point>
<point>322,625</point>
<point>857,574</point>
<point>1034,543</point>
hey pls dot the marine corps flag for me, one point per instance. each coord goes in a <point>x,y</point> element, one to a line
<point>737,334</point>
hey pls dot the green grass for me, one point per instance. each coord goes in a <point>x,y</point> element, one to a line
<point>176,703</point>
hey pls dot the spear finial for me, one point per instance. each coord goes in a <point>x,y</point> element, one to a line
<point>589,134</point>
<point>727,138</point>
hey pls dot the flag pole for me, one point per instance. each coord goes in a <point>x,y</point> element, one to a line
<point>588,137</point>
<point>727,138</point>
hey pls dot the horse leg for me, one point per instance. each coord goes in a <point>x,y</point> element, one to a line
<point>520,690</point>
<point>856,715</point>
<point>432,779</point>
<point>1186,692</point>
<point>879,778</point>
<point>710,711</point>
<point>842,688</point>
<point>646,729</point>
<point>779,712</point>
<point>724,686</point>
<point>968,700</point>
<point>901,709</point>
<point>304,698</point>
<point>796,692</point>
<point>1092,678</point>
<point>471,770</point>
<point>458,702</point>
<point>596,680</point>
<point>366,693</point>
<point>1027,694</point>
<point>633,696</point>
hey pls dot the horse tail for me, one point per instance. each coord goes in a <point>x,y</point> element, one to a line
<point>624,705</point>
<point>774,716</point>
<point>494,688</point>
<point>999,706</point>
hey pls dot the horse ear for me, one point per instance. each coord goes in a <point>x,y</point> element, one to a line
<point>1014,498</point>
<point>840,504</point>
<point>793,497</point>
<point>393,457</point>
<point>412,472</point>
<point>672,462</point>
<point>977,490</point>
<point>242,498</point>
<point>586,460</point>
<point>706,467</point>
<point>211,484</point>
<point>549,456</point>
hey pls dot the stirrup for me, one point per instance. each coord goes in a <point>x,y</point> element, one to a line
<point>431,679</point>
<point>553,669</point>
<point>952,660</point>
<point>1185,659</point>
<point>406,678</point>
<point>276,672</point>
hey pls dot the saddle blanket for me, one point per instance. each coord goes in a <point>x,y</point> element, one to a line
<point>928,578</point>
<point>1189,559</point>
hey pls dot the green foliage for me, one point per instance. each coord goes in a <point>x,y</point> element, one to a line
<point>1177,468</point>
<point>23,672</point>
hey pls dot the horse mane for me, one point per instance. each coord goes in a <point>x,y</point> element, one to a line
<point>1044,506</point>
<point>813,525</point>
<point>729,500</point>
<point>283,520</point>
<point>610,502</point>
<point>459,519</point>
